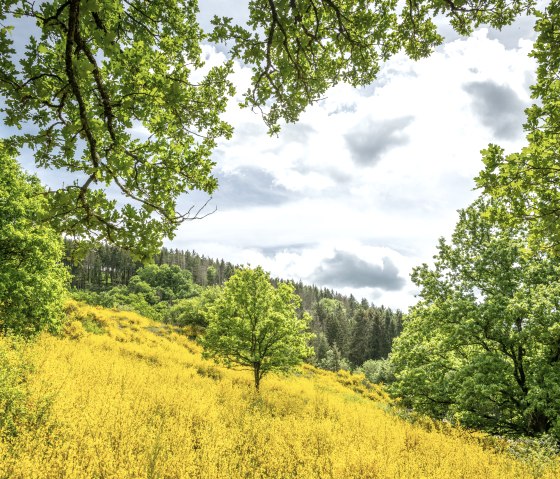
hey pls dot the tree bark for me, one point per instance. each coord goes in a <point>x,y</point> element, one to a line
<point>257,374</point>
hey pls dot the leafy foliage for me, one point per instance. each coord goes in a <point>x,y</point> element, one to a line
<point>378,371</point>
<point>333,360</point>
<point>152,292</point>
<point>192,311</point>
<point>482,346</point>
<point>106,266</point>
<point>256,326</point>
<point>526,183</point>
<point>32,278</point>
<point>167,283</point>
<point>116,91</point>
<point>300,48</point>
<point>99,72</point>
<point>22,413</point>
<point>15,369</point>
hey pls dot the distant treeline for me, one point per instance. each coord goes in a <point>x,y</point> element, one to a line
<point>347,332</point>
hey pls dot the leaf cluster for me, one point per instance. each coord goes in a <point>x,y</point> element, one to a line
<point>298,49</point>
<point>526,183</point>
<point>32,277</point>
<point>114,92</point>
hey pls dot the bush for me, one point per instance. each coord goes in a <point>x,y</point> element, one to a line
<point>378,371</point>
<point>333,361</point>
<point>192,311</point>
<point>79,322</point>
<point>18,412</point>
<point>74,330</point>
<point>121,299</point>
<point>162,283</point>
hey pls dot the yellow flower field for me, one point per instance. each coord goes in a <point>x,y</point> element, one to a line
<point>138,401</point>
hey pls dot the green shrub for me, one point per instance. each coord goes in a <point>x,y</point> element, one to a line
<point>378,371</point>
<point>18,411</point>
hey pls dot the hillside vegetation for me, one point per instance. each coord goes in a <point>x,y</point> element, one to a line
<point>181,283</point>
<point>121,396</point>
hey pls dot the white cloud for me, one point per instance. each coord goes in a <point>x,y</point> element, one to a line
<point>397,206</point>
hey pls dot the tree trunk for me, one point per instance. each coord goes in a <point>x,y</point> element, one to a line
<point>538,423</point>
<point>257,374</point>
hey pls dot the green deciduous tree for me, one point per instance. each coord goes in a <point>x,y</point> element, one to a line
<point>192,311</point>
<point>116,92</point>
<point>378,371</point>
<point>32,278</point>
<point>254,325</point>
<point>483,344</point>
<point>167,283</point>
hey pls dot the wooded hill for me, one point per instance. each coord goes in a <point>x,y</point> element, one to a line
<point>347,332</point>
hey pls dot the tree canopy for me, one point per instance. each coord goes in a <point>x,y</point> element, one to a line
<point>482,345</point>
<point>300,48</point>
<point>255,325</point>
<point>116,94</point>
<point>32,279</point>
<point>168,283</point>
<point>98,72</point>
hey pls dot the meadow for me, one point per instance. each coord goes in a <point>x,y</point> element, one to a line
<point>121,396</point>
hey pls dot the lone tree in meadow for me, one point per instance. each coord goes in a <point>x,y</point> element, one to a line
<point>255,325</point>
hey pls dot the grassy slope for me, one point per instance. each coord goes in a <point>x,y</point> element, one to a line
<point>139,402</point>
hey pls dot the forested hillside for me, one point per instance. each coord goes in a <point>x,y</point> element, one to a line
<point>347,333</point>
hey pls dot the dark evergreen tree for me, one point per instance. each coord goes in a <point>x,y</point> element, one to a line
<point>360,350</point>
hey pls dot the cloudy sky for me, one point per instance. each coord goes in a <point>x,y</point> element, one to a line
<point>357,193</point>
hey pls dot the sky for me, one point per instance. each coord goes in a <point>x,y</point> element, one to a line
<point>358,192</point>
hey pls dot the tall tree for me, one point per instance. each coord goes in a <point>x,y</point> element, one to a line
<point>360,349</point>
<point>482,345</point>
<point>527,183</point>
<point>254,325</point>
<point>332,318</point>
